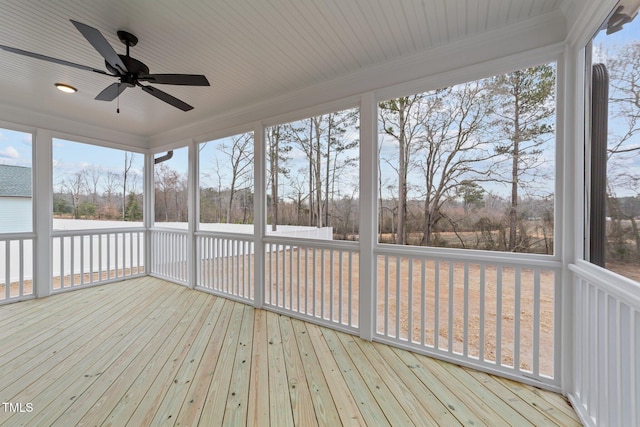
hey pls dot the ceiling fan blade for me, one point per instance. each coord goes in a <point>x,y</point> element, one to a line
<point>50,59</point>
<point>172,100</point>
<point>101,44</point>
<point>112,91</point>
<point>176,79</point>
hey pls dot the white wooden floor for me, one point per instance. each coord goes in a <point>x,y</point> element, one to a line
<point>148,352</point>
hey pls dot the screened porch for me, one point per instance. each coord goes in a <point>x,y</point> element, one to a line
<point>396,239</point>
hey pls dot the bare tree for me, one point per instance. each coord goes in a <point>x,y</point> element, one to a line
<point>112,183</point>
<point>240,156</point>
<point>337,147</point>
<point>624,72</point>
<point>451,148</point>
<point>298,195</point>
<point>94,176</point>
<point>166,183</point>
<point>76,185</point>
<point>128,164</point>
<point>402,119</point>
<point>180,195</point>
<point>623,175</point>
<point>278,147</point>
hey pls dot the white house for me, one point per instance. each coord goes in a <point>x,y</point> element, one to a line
<point>16,203</point>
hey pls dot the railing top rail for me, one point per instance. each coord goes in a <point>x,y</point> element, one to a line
<point>168,230</point>
<point>17,236</point>
<point>472,255</point>
<point>94,231</point>
<point>613,284</point>
<point>314,243</point>
<point>224,234</point>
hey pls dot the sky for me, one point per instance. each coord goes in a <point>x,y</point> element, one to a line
<point>605,45</point>
<point>15,148</point>
<point>70,157</point>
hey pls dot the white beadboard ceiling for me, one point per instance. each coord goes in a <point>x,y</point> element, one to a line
<point>250,50</point>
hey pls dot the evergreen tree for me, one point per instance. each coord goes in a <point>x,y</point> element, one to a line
<point>525,107</point>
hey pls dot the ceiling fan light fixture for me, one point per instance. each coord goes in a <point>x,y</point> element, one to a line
<point>65,88</point>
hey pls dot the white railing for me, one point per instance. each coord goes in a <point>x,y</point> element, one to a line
<point>607,347</point>
<point>90,257</point>
<point>314,280</point>
<point>470,309</point>
<point>169,255</point>
<point>225,264</point>
<point>16,267</point>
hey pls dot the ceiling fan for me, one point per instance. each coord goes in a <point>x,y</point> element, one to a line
<point>129,71</point>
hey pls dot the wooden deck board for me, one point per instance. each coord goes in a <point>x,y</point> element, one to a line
<point>440,414</point>
<point>52,345</point>
<point>237,404</point>
<point>145,394</point>
<point>60,311</point>
<point>148,352</point>
<point>280,411</point>
<point>115,382</point>
<point>301,403</point>
<point>357,386</point>
<point>121,344</point>
<point>258,411</point>
<point>325,408</point>
<point>212,413</point>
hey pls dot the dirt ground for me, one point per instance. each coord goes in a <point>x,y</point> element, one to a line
<point>630,270</point>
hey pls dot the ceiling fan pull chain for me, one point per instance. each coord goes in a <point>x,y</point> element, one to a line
<point>118,106</point>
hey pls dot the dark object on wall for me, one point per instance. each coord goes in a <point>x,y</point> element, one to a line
<point>599,127</point>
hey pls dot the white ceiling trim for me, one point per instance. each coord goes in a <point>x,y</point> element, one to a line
<point>584,24</point>
<point>38,120</point>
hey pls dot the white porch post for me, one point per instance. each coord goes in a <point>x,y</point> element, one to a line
<point>571,109</point>
<point>148,209</point>
<point>368,217</point>
<point>194,214</point>
<point>259,213</point>
<point>43,201</point>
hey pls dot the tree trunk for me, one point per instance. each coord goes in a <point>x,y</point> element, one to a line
<point>311,201</point>
<point>273,149</point>
<point>513,209</point>
<point>636,235</point>
<point>401,237</point>
<point>327,170</point>
<point>318,174</point>
<point>166,207</point>
<point>232,191</point>
<point>429,222</point>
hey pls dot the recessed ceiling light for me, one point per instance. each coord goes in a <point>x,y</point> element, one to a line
<point>66,88</point>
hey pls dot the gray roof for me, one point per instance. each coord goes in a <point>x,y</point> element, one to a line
<point>15,181</point>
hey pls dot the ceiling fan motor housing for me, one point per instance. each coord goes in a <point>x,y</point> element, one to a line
<point>135,67</point>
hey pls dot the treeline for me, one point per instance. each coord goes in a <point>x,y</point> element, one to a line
<point>622,200</point>
<point>459,144</point>
<point>480,223</point>
<point>622,229</point>
<point>95,193</point>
